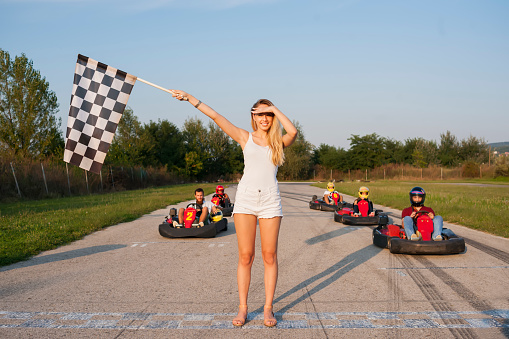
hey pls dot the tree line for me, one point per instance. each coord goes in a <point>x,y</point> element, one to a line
<point>372,150</point>
<point>29,128</point>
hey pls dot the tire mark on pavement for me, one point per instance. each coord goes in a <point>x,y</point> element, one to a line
<point>436,300</point>
<point>460,289</point>
<point>494,252</point>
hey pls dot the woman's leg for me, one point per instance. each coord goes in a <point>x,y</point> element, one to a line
<point>245,227</point>
<point>269,233</point>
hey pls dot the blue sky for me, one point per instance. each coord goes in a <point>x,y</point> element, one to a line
<point>400,69</point>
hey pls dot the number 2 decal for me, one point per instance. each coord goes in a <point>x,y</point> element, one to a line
<point>189,216</point>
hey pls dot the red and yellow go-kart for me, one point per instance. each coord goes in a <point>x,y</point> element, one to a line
<point>346,216</point>
<point>224,203</point>
<point>190,227</point>
<point>321,205</point>
<point>393,237</point>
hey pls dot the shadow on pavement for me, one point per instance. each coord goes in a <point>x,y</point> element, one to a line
<point>331,274</point>
<point>326,236</point>
<point>229,231</point>
<point>81,252</point>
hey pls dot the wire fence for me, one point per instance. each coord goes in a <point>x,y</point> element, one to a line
<point>404,172</point>
<point>51,178</point>
<point>29,179</point>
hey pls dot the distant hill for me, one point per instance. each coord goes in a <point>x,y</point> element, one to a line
<point>500,146</point>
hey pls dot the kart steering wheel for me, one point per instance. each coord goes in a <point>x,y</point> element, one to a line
<point>193,205</point>
<point>420,213</point>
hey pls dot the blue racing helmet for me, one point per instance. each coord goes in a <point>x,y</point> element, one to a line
<point>417,191</point>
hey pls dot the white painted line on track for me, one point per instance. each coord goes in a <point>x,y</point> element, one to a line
<point>299,320</point>
<point>440,268</point>
<point>180,242</point>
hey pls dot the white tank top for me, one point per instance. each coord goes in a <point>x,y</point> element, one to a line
<point>259,171</point>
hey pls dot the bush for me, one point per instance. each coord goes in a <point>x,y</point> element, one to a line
<point>470,170</point>
<point>502,167</point>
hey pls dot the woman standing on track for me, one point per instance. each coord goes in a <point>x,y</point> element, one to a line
<point>257,195</point>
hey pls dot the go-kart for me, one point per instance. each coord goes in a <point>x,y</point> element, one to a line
<point>347,216</point>
<point>224,203</point>
<point>393,237</point>
<point>191,228</point>
<point>321,205</point>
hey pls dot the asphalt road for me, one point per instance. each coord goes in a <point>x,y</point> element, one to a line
<point>129,282</point>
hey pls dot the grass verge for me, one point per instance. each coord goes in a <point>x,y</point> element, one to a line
<point>28,228</point>
<point>484,208</point>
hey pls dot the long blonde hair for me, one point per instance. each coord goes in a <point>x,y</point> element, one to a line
<point>274,135</point>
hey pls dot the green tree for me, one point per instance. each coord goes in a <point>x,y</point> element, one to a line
<point>425,153</point>
<point>394,151</point>
<point>168,147</point>
<point>366,151</point>
<point>474,149</point>
<point>298,162</point>
<point>28,126</point>
<point>448,150</point>
<point>330,157</point>
<point>407,152</point>
<point>223,155</point>
<point>195,136</point>
<point>194,166</point>
<point>130,146</point>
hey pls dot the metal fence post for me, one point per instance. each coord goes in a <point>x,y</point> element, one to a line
<point>68,181</point>
<point>112,182</point>
<point>101,176</point>
<point>86,180</point>
<point>44,177</point>
<point>15,180</point>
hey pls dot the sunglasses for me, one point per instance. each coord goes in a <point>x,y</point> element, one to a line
<point>263,114</point>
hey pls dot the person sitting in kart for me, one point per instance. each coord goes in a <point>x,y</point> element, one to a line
<point>410,215</point>
<point>363,195</point>
<point>327,195</point>
<point>224,199</point>
<point>203,209</point>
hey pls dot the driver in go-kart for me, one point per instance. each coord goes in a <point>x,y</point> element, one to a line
<point>410,215</point>
<point>327,195</point>
<point>223,197</point>
<point>363,195</point>
<point>203,208</point>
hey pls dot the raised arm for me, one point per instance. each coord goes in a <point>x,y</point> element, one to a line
<point>291,131</point>
<point>238,134</point>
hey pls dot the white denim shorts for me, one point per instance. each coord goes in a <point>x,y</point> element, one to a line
<point>264,203</point>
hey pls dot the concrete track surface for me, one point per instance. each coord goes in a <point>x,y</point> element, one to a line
<point>127,281</point>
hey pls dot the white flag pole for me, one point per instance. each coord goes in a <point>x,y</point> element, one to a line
<point>154,85</point>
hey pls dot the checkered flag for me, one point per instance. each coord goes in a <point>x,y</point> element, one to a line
<point>99,96</point>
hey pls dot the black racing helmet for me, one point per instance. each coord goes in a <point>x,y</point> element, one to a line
<point>420,192</point>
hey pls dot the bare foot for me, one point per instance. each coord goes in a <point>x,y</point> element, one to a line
<point>241,317</point>
<point>268,316</point>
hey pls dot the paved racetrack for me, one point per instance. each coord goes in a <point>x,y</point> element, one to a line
<point>129,282</point>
